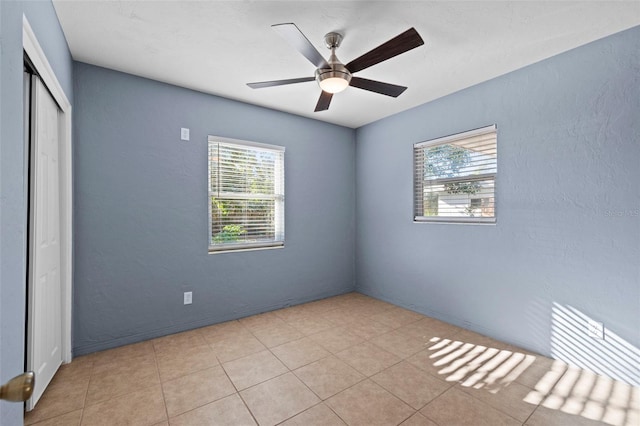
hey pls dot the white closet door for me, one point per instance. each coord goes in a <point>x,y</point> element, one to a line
<point>44,342</point>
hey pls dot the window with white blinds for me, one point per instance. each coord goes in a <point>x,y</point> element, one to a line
<point>455,178</point>
<point>246,195</point>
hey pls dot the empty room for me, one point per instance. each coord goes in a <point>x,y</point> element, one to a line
<point>319,213</point>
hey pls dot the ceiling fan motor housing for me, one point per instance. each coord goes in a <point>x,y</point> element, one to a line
<point>338,74</point>
<point>338,71</point>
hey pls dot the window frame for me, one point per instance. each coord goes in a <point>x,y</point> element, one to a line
<point>418,179</point>
<point>278,197</point>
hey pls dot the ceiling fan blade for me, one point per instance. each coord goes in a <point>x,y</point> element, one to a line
<point>295,38</point>
<point>324,101</point>
<point>402,43</point>
<point>262,84</point>
<point>377,86</point>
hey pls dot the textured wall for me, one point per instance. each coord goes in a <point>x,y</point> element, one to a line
<point>13,213</point>
<point>141,211</point>
<point>566,246</point>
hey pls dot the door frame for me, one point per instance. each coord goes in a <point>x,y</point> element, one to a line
<point>39,60</point>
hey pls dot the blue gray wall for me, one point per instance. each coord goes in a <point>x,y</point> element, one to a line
<point>141,211</point>
<point>13,213</point>
<point>566,246</point>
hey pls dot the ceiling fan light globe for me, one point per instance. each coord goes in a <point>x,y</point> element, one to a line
<point>334,84</point>
<point>333,81</point>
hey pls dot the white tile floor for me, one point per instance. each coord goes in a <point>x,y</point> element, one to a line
<point>349,359</point>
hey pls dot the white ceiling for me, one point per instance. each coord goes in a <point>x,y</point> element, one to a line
<point>218,46</point>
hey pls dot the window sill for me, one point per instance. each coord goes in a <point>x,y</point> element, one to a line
<point>456,221</point>
<point>245,248</point>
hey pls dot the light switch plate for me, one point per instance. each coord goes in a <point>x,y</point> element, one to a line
<point>184,134</point>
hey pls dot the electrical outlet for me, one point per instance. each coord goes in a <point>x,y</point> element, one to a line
<point>595,329</point>
<point>188,297</point>
<point>184,134</point>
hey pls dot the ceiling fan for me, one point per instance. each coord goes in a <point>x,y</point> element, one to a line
<point>332,76</point>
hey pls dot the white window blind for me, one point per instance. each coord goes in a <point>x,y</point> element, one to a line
<point>246,195</point>
<point>455,177</point>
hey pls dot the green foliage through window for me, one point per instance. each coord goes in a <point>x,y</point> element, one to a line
<point>230,233</point>
<point>446,161</point>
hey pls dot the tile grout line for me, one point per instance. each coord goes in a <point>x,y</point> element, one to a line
<point>349,387</point>
<point>86,394</point>
<point>234,385</point>
<point>246,406</point>
<point>164,398</point>
<point>530,415</point>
